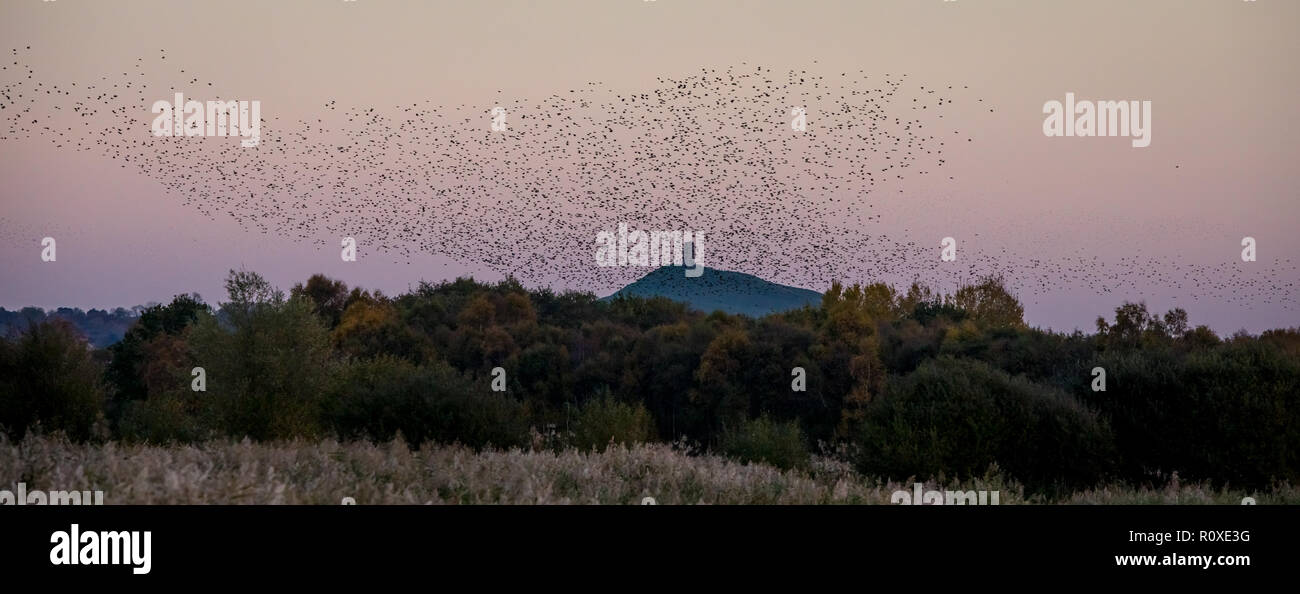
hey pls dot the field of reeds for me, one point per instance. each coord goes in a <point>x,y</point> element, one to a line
<point>325,472</point>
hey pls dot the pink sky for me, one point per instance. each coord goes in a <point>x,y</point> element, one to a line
<point>1221,75</point>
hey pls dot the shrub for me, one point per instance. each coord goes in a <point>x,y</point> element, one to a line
<point>377,398</point>
<point>765,441</point>
<point>604,421</point>
<point>166,418</point>
<point>958,417</point>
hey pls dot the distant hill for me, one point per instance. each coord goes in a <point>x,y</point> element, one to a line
<point>100,327</point>
<point>732,292</point>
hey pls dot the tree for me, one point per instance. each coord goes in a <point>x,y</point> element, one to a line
<point>1134,326</point>
<point>850,347</point>
<point>328,297</point>
<point>958,417</point>
<point>266,360</point>
<point>376,398</point>
<point>660,371</point>
<point>47,376</point>
<point>371,326</point>
<point>990,304</point>
<point>724,390</point>
<point>129,356</point>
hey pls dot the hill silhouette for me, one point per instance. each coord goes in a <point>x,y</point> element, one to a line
<point>731,292</point>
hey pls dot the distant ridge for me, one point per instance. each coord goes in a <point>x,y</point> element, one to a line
<point>731,292</point>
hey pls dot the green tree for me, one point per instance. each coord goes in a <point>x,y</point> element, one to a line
<point>1135,327</point>
<point>724,392</point>
<point>372,325</point>
<point>266,360</point>
<point>47,376</point>
<point>958,417</point>
<point>328,297</point>
<point>377,398</point>
<point>125,371</point>
<point>990,304</point>
<point>850,345</point>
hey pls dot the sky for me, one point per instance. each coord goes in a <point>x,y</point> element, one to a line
<point>1083,223</point>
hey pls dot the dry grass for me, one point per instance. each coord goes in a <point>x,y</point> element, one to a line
<point>1176,493</point>
<point>224,472</point>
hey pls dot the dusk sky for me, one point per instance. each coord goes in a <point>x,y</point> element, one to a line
<point>1078,225</point>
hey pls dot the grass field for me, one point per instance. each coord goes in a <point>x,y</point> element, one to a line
<point>324,472</point>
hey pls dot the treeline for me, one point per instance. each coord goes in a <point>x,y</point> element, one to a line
<point>100,327</point>
<point>902,383</point>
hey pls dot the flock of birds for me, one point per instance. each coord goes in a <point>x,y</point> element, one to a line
<point>711,151</point>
